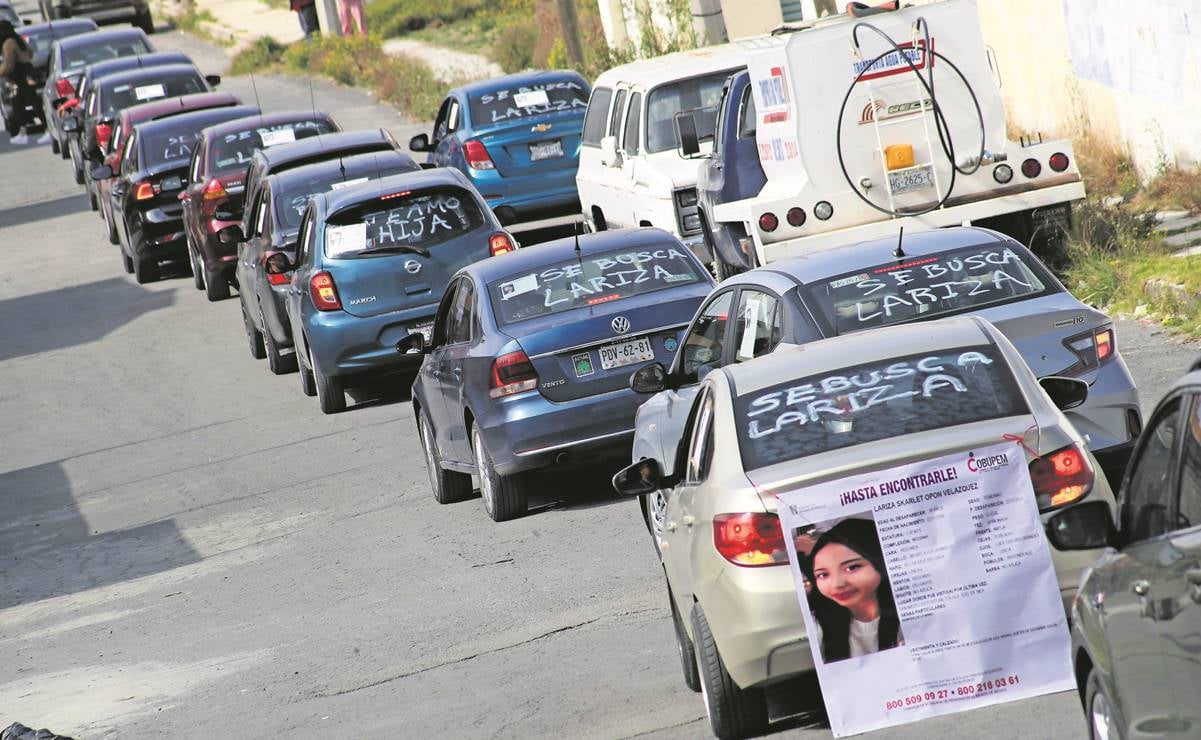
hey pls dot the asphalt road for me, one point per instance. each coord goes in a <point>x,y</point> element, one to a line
<point>189,548</point>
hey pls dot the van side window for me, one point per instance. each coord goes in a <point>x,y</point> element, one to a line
<point>746,114</point>
<point>615,117</point>
<point>598,114</point>
<point>633,118</point>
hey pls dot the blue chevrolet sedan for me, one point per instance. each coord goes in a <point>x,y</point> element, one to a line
<point>372,264</point>
<point>530,358</point>
<point>517,138</point>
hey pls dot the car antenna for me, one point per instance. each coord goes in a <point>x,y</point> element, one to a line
<point>899,253</point>
<point>254,85</point>
<point>313,106</point>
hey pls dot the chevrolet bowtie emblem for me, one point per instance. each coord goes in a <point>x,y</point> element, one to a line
<point>541,128</point>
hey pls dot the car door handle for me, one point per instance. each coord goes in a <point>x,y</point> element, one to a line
<point>1141,588</point>
<point>688,520</point>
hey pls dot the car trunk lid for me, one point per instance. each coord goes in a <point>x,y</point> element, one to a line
<point>537,144</point>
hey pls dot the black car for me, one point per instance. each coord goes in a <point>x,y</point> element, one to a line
<point>106,96</point>
<point>136,12</point>
<point>154,167</point>
<point>68,59</point>
<point>269,249</point>
<point>42,36</point>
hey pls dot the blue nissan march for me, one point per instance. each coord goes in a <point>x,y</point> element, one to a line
<point>372,264</point>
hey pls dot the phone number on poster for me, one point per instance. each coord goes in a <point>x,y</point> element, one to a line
<point>941,694</point>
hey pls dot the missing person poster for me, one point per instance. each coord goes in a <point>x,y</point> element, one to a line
<point>927,589</point>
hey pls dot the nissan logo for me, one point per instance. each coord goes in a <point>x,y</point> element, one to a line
<point>620,324</point>
<point>412,267</point>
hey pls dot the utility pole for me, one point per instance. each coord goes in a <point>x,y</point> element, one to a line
<point>570,24</point>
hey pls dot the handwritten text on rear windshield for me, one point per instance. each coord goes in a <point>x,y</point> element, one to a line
<point>568,283</point>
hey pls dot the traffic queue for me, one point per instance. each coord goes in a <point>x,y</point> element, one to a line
<point>615,348</point>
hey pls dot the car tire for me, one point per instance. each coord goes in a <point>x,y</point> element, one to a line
<point>330,395</point>
<point>145,270</point>
<point>92,202</point>
<point>1098,709</point>
<point>53,144</point>
<point>197,273</point>
<point>505,496</point>
<point>734,712</point>
<point>692,674</point>
<point>216,288</point>
<point>449,487</point>
<point>254,337</point>
<point>308,384</point>
<point>280,364</point>
<point>76,164</point>
<point>110,228</point>
<point>126,261</point>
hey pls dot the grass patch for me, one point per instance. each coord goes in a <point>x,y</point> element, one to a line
<point>398,17</point>
<point>264,54</point>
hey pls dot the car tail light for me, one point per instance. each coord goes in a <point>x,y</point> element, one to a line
<point>501,243</point>
<point>324,293</point>
<point>1031,168</point>
<point>103,133</point>
<point>144,191</point>
<point>1092,349</point>
<point>768,222</point>
<point>64,88</point>
<point>795,216</point>
<point>214,189</point>
<point>1061,477</point>
<point>751,540</point>
<point>1058,161</point>
<point>477,155</point>
<point>512,373</point>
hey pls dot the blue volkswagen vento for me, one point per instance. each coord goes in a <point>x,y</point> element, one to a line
<point>530,358</point>
<point>517,138</point>
<point>373,261</point>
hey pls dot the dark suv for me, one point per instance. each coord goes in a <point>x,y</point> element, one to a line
<point>136,12</point>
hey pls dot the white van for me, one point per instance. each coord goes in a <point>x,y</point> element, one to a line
<point>631,170</point>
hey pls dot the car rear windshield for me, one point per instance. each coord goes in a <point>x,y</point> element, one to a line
<point>874,401</point>
<point>290,204</point>
<point>126,94</point>
<point>595,279</point>
<point>926,287</point>
<point>42,40</point>
<point>168,146</point>
<point>421,218</point>
<point>700,95</point>
<point>233,150</point>
<point>80,57</point>
<point>528,100</point>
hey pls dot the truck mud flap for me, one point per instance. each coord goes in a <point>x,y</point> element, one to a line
<point>1044,230</point>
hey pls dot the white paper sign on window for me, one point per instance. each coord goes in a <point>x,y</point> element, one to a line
<point>149,92</point>
<point>349,183</point>
<point>530,99</point>
<point>345,239</point>
<point>279,136</point>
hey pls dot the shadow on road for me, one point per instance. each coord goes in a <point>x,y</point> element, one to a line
<point>34,212</point>
<point>46,549</point>
<point>65,317</point>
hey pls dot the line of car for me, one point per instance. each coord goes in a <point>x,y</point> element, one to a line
<point>353,261</point>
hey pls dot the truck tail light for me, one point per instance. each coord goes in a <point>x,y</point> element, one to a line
<point>1031,168</point>
<point>512,373</point>
<point>768,222</point>
<point>1061,477</point>
<point>64,88</point>
<point>1092,349</point>
<point>1059,161</point>
<point>795,216</point>
<point>214,189</point>
<point>324,293</point>
<point>501,243</point>
<point>477,155</point>
<point>144,191</point>
<point>751,540</point>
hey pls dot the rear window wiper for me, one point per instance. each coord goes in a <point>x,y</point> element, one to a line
<point>399,249</point>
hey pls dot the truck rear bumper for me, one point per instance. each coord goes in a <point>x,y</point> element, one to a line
<point>953,216</point>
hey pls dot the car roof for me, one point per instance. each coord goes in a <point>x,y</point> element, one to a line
<point>355,165</point>
<point>824,263</point>
<point>104,35</point>
<point>534,77</point>
<point>193,120</point>
<point>265,119</point>
<point>196,101</point>
<point>159,71</point>
<point>136,61</point>
<point>336,200</point>
<point>65,24</point>
<point>677,66</point>
<point>559,250</point>
<point>792,362</point>
<point>309,146</point>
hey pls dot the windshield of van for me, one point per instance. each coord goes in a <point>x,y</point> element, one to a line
<point>528,100</point>
<point>597,278</point>
<point>700,95</point>
<point>233,150</point>
<point>119,97</point>
<point>421,219</point>
<point>927,287</point>
<point>873,401</point>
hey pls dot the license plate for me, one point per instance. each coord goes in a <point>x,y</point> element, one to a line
<point>907,181</point>
<point>426,330</point>
<point>546,150</point>
<point>626,353</point>
<point>171,183</point>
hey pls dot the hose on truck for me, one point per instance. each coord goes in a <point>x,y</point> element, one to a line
<point>940,122</point>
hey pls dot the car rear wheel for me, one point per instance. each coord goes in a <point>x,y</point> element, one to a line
<point>145,270</point>
<point>330,395</point>
<point>197,273</point>
<point>449,487</point>
<point>308,384</point>
<point>110,228</point>
<point>53,144</point>
<point>254,337</point>
<point>216,287</point>
<point>505,496</point>
<point>1101,724</point>
<point>279,363</point>
<point>734,712</point>
<point>92,202</point>
<point>692,674</point>
<point>76,164</point>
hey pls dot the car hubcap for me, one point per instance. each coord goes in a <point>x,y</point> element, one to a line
<point>1101,716</point>
<point>427,442</point>
<point>477,444</point>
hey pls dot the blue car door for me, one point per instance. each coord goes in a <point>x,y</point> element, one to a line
<point>460,332</point>
<point>446,142</point>
<point>300,281</point>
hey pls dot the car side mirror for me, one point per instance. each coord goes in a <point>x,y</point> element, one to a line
<point>650,378</point>
<point>70,125</point>
<point>690,142</point>
<point>231,235</point>
<point>1086,526</point>
<point>276,262</point>
<point>641,478</point>
<point>609,155</point>
<point>413,344</point>
<point>420,143</point>
<point>213,80</point>
<point>103,172</point>
<point>1065,393</point>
